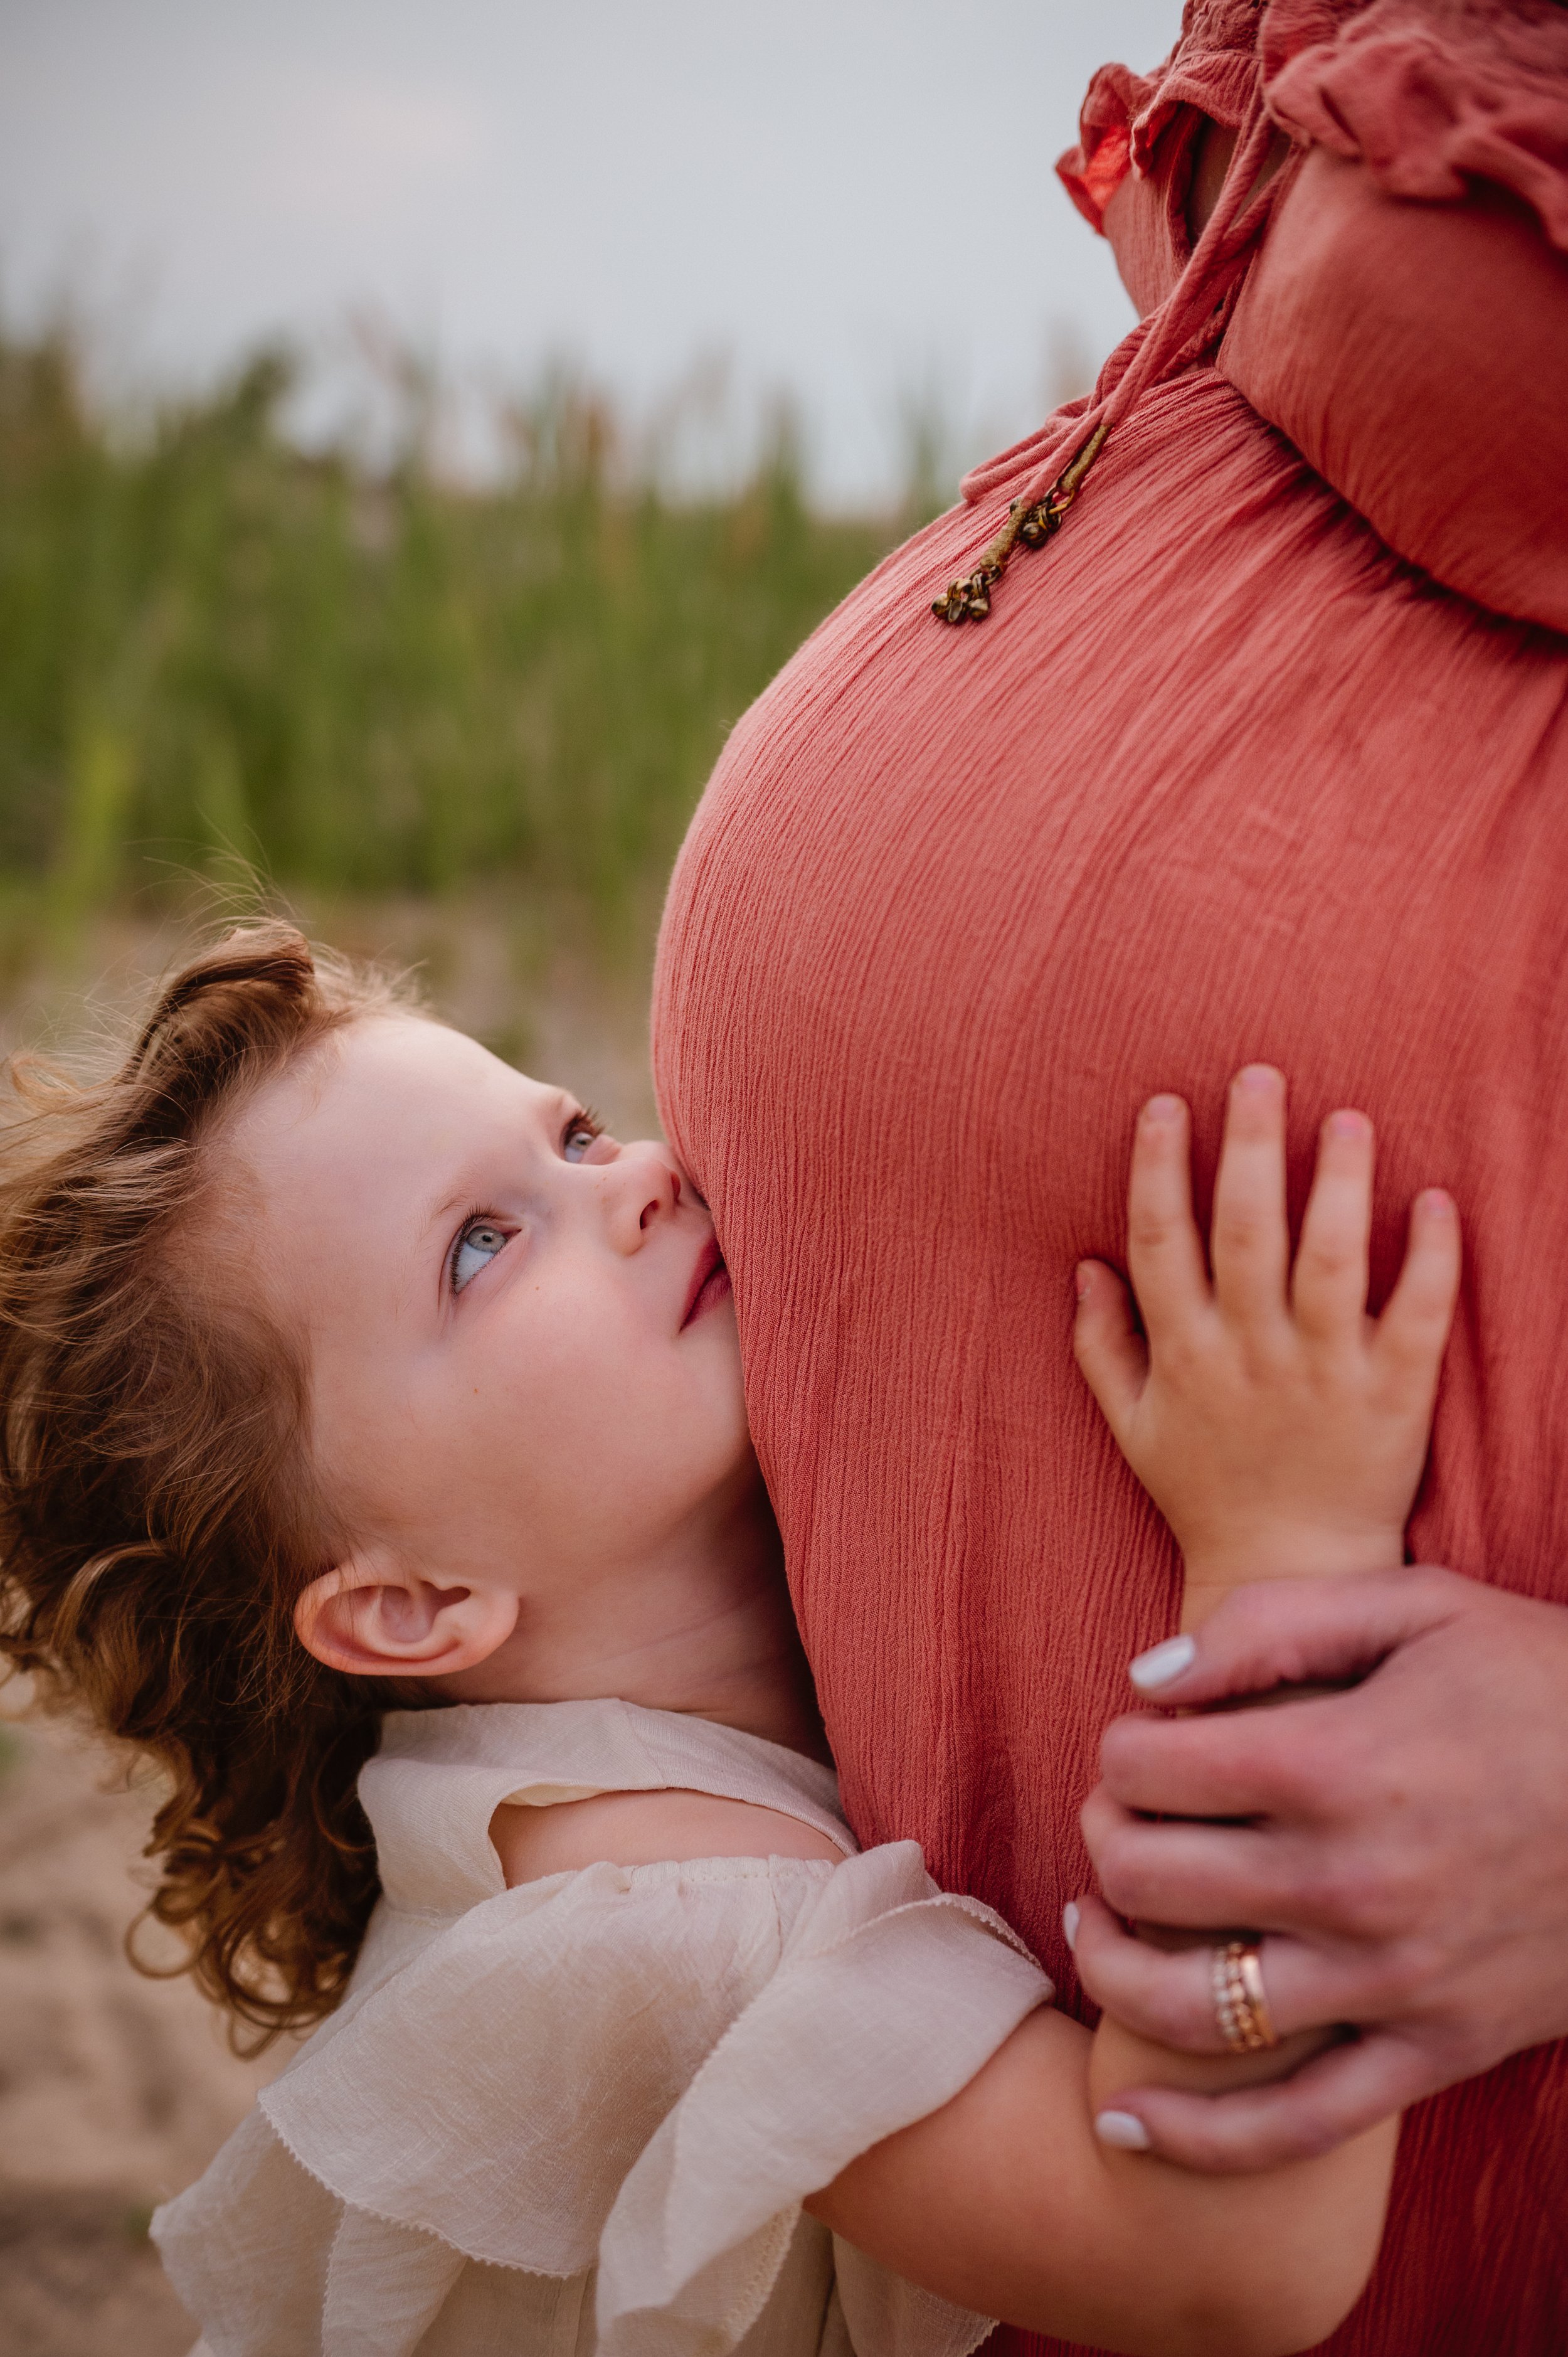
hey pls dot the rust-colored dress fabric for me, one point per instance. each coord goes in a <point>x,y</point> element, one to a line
<point>1227,773</point>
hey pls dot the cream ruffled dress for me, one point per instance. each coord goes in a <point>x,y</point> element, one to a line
<point>582,2114</point>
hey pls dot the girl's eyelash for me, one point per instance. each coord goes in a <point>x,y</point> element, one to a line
<point>585,1118</point>
<point>478,1218</point>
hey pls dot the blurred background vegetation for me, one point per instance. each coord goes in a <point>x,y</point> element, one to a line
<point>457,723</point>
<point>414,706</point>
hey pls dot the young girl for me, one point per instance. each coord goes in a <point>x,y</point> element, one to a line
<point>375,1461</point>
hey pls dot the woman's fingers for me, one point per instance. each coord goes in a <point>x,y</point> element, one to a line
<point>1287,1633</point>
<point>1168,1999</point>
<point>1250,1246</point>
<point>1193,1872</point>
<point>1413,1328</point>
<point>1112,1354</point>
<point>1165,1254</point>
<point>1167,1995</point>
<point>1336,2096</point>
<point>1328,1285</point>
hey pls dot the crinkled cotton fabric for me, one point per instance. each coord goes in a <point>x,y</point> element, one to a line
<point>1228,774</point>
<point>1430,94</point>
<point>582,2114</point>
<point>1406,322</point>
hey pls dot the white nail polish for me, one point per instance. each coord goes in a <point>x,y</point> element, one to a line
<point>1161,1664</point>
<point>1120,2130</point>
<point>1070,1922</point>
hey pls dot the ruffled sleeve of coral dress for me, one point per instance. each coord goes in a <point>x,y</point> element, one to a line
<point>1262,755</point>
<point>1406,322</point>
<point>582,2114</point>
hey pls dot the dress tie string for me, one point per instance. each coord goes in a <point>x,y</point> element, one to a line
<point>1189,322</point>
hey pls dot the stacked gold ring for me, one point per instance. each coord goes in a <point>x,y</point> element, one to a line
<point>1240,2007</point>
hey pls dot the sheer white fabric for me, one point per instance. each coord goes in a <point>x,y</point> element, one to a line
<point>581,2115</point>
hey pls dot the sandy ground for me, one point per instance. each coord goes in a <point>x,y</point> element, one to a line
<point>114,2090</point>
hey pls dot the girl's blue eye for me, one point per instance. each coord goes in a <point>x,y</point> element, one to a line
<point>475,1249</point>
<point>581,1131</point>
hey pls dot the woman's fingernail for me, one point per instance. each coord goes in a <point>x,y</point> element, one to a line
<point>1163,1663</point>
<point>1348,1124</point>
<point>1082,1279</point>
<point>1258,1079</point>
<point>1121,2129</point>
<point>1436,1204</point>
<point>1163,1109</point>
<point>1070,1922</point>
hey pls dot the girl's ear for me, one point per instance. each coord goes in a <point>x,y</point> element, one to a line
<point>376,1619</point>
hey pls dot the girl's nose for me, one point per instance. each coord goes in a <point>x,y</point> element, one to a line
<point>641,1187</point>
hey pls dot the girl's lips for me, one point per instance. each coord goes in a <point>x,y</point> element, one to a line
<point>710,1284</point>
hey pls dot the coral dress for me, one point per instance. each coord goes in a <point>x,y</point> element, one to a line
<point>1264,755</point>
<point>581,2114</point>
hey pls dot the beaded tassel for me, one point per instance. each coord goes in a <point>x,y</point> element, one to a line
<point>1032,523</point>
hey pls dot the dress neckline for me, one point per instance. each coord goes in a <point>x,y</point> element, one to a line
<point>439,1776</point>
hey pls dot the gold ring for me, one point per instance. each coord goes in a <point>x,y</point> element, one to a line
<point>1240,2007</point>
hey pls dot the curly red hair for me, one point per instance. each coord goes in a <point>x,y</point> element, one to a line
<point>158,1516</point>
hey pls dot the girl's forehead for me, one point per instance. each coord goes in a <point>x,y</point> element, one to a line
<point>387,1092</point>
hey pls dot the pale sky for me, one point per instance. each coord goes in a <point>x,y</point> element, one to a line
<point>852,200</point>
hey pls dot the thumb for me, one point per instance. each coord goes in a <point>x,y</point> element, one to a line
<point>1301,1632</point>
<point>1112,1356</point>
<point>1338,2095</point>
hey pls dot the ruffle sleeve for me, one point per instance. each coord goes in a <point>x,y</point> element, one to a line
<point>841,2048</point>
<point>1124,116</point>
<point>1406,322</point>
<point>637,2072</point>
<point>1430,95</point>
<point>1123,151</point>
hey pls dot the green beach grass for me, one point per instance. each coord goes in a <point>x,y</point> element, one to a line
<point>215,646</point>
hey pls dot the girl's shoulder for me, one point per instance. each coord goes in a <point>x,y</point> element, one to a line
<point>631,1829</point>
<point>467,1801</point>
<point>611,2089</point>
<point>622,2072</point>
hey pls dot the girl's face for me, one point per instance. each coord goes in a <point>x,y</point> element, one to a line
<point>521,1339</point>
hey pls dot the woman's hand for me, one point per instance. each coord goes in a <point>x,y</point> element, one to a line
<point>1403,1842</point>
<point>1280,1429</point>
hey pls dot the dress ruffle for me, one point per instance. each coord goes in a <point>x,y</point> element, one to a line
<point>637,2072</point>
<point>1410,343</point>
<point>1213,68</point>
<point>835,2054</point>
<point>1430,95</point>
<point>439,1776</point>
